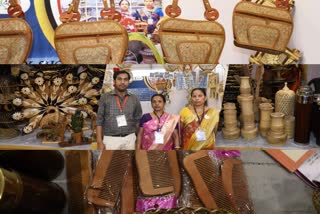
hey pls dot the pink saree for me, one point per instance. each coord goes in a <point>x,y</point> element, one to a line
<point>168,123</point>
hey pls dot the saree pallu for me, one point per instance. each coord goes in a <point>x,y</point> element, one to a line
<point>190,124</point>
<point>168,124</point>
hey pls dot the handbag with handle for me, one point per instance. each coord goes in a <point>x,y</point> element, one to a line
<point>191,41</point>
<point>98,42</point>
<point>262,28</point>
<point>15,36</point>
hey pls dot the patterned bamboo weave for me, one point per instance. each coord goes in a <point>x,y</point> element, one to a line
<point>261,28</point>
<point>91,42</point>
<point>15,40</point>
<point>191,42</point>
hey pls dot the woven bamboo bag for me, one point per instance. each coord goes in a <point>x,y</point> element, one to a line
<point>262,28</point>
<point>15,36</point>
<point>191,41</point>
<point>98,42</point>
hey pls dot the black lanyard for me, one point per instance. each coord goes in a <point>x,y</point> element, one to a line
<point>159,128</point>
<point>199,119</point>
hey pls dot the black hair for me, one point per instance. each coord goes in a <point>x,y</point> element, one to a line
<point>117,73</point>
<point>159,95</point>
<point>124,0</point>
<point>203,90</point>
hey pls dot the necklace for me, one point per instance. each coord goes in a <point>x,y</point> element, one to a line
<point>159,117</point>
<point>202,115</point>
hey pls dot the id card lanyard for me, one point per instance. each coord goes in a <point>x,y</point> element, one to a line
<point>199,119</point>
<point>200,134</point>
<point>159,137</point>
<point>149,15</point>
<point>159,128</point>
<point>120,106</point>
<point>121,119</point>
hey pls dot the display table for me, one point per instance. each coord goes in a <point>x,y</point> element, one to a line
<point>30,141</point>
<point>260,143</point>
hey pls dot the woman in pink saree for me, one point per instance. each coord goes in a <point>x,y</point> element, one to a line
<point>159,129</point>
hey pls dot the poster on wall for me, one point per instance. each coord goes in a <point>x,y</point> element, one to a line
<point>176,86</point>
<point>141,89</point>
<point>139,17</point>
<point>166,83</point>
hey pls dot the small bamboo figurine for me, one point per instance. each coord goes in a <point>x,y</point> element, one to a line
<point>245,87</point>
<point>285,101</point>
<point>289,122</point>
<point>249,131</point>
<point>230,130</point>
<point>265,119</point>
<point>277,135</point>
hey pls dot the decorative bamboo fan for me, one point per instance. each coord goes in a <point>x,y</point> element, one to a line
<point>48,95</point>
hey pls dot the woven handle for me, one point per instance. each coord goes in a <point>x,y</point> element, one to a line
<point>210,13</point>
<point>173,10</point>
<point>15,10</point>
<point>72,14</point>
<point>107,13</point>
<point>110,13</point>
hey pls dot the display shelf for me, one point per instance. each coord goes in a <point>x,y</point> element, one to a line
<point>260,143</point>
<point>30,141</point>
